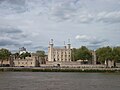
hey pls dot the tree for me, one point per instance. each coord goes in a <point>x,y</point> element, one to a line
<point>104,53</point>
<point>40,53</point>
<point>16,55</point>
<point>85,54</point>
<point>108,53</point>
<point>116,55</point>
<point>75,54</point>
<point>4,54</point>
<point>82,53</point>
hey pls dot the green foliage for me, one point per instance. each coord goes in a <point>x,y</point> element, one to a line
<point>103,54</point>
<point>108,53</point>
<point>16,55</point>
<point>116,54</point>
<point>4,54</point>
<point>82,53</point>
<point>40,53</point>
<point>75,54</point>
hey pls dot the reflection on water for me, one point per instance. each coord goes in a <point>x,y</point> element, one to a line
<point>58,81</point>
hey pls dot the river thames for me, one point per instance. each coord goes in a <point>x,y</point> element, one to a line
<point>59,81</point>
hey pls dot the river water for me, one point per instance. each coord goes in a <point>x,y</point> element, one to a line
<point>58,81</point>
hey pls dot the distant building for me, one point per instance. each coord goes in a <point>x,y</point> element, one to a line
<point>7,62</point>
<point>32,61</point>
<point>22,50</point>
<point>59,54</point>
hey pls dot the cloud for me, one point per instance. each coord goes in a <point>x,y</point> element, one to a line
<point>16,2</point>
<point>27,42</point>
<point>10,30</point>
<point>64,10</point>
<point>109,17</point>
<point>12,6</point>
<point>32,23</point>
<point>85,17</point>
<point>38,47</point>
<point>7,41</point>
<point>83,38</point>
<point>60,10</point>
<point>69,10</point>
<point>12,36</point>
<point>97,41</point>
<point>91,41</point>
<point>94,46</point>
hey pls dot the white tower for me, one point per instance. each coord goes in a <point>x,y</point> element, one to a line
<point>50,51</point>
<point>69,51</point>
<point>69,45</point>
<point>94,57</point>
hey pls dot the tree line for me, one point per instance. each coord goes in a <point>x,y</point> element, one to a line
<point>83,53</point>
<point>102,54</point>
<point>5,54</point>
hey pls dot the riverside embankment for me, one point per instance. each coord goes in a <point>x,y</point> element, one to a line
<point>56,69</point>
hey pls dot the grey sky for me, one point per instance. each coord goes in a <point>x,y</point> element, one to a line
<point>32,23</point>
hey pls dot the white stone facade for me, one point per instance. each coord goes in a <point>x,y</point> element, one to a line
<point>59,54</point>
<point>28,62</point>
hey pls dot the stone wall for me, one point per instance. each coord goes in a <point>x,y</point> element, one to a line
<point>118,65</point>
<point>7,62</point>
<point>24,62</point>
<point>73,65</point>
<point>27,62</point>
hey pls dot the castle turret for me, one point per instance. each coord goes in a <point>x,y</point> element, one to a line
<point>50,51</point>
<point>94,57</point>
<point>69,45</point>
<point>69,51</point>
<point>64,45</point>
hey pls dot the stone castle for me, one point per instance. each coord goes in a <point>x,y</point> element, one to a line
<point>56,57</point>
<point>56,54</point>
